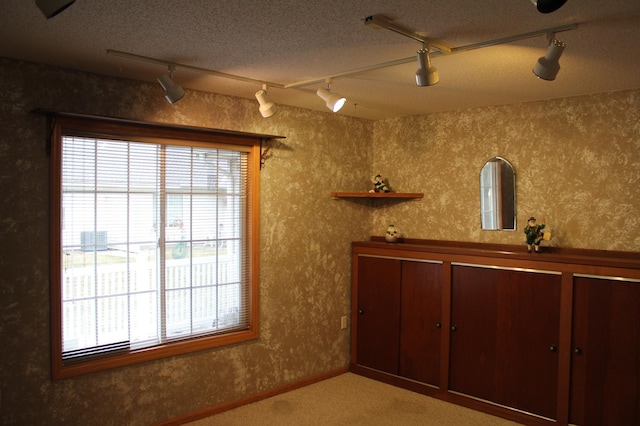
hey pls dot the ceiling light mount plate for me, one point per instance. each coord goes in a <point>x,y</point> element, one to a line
<point>51,8</point>
<point>385,23</point>
<point>548,6</point>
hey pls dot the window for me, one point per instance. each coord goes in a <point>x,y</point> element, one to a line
<point>154,242</point>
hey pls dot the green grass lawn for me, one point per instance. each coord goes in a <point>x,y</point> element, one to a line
<point>78,258</point>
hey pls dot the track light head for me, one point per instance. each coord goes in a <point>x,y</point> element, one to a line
<point>267,108</point>
<point>548,66</point>
<point>333,100</point>
<point>427,74</point>
<point>51,8</point>
<point>172,92</point>
<point>548,6</point>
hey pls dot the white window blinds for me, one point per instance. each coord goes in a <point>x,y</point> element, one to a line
<point>154,243</point>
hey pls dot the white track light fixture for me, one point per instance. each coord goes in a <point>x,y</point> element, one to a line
<point>267,108</point>
<point>548,6</point>
<point>333,100</point>
<point>51,8</point>
<point>172,92</point>
<point>548,66</point>
<point>427,74</point>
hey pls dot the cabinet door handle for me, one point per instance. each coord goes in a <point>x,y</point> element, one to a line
<point>361,311</point>
<point>577,351</point>
<point>438,325</point>
<point>553,348</point>
<point>454,327</point>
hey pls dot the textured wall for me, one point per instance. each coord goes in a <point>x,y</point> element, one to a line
<point>305,254</point>
<point>576,160</point>
<point>577,164</point>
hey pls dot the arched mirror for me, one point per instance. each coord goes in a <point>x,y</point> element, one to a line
<point>498,195</point>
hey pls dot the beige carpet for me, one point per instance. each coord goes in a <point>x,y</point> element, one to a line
<point>350,399</point>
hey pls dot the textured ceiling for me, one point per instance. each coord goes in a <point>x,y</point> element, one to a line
<point>287,42</point>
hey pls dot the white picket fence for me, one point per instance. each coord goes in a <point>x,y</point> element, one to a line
<point>120,302</point>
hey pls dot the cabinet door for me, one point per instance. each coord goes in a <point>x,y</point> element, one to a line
<point>420,321</point>
<point>505,328</point>
<point>605,369</point>
<point>472,355</point>
<point>529,330</point>
<point>378,313</point>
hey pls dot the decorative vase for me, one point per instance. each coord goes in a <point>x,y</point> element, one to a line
<point>391,238</point>
<point>392,234</point>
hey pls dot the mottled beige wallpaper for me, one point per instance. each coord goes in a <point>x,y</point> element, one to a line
<point>305,264</point>
<point>577,165</point>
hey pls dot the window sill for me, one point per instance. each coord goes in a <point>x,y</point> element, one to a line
<point>62,371</point>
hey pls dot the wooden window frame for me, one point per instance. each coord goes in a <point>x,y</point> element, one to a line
<point>61,124</point>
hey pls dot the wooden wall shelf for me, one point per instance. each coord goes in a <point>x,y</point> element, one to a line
<point>406,195</point>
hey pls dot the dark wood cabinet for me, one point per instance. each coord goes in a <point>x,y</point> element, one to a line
<point>472,356</point>
<point>551,338</point>
<point>605,365</point>
<point>504,340</point>
<point>421,322</point>
<point>378,313</point>
<point>398,317</point>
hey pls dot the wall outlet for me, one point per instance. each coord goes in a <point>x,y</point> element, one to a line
<point>343,322</point>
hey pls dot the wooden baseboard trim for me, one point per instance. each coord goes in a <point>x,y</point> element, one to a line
<point>220,408</point>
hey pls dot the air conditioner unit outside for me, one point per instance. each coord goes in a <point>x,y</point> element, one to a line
<point>93,240</point>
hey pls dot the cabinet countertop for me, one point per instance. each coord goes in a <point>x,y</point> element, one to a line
<point>556,255</point>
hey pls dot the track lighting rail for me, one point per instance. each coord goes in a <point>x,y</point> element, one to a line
<point>436,53</point>
<point>511,39</point>
<point>200,70</point>
<point>439,52</point>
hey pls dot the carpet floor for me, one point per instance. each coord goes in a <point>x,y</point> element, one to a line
<point>350,399</point>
